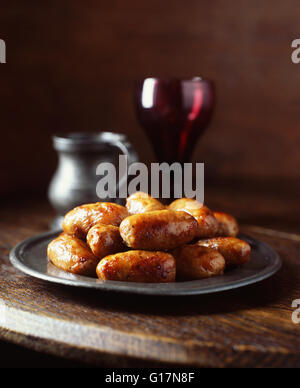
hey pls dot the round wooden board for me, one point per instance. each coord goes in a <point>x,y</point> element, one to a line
<point>239,328</point>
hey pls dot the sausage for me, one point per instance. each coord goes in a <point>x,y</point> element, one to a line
<point>184,204</point>
<point>72,255</point>
<point>197,262</point>
<point>208,224</point>
<point>141,203</point>
<point>228,225</point>
<point>81,219</point>
<point>235,251</point>
<point>138,266</point>
<point>105,240</point>
<point>158,230</point>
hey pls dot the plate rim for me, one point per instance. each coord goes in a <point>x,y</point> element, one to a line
<point>129,287</point>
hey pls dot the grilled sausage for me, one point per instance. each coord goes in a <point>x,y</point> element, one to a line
<point>105,240</point>
<point>72,255</point>
<point>158,230</point>
<point>235,251</point>
<point>228,225</point>
<point>208,224</point>
<point>185,204</point>
<point>138,266</point>
<point>141,203</point>
<point>81,219</point>
<point>197,262</point>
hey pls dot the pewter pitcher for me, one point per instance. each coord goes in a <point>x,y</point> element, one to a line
<point>75,180</point>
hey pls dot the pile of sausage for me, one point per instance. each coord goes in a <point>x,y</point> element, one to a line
<point>148,242</point>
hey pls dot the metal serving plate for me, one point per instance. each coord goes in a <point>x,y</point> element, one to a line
<point>30,257</point>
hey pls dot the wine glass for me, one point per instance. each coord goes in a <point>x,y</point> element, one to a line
<point>174,113</point>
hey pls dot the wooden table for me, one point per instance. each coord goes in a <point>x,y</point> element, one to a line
<point>241,328</point>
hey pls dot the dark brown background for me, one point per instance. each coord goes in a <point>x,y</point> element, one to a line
<point>71,66</point>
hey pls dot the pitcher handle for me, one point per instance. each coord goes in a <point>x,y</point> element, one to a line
<point>120,141</point>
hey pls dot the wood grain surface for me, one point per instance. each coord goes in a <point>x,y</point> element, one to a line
<point>241,328</point>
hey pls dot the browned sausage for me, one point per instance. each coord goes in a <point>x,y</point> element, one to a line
<point>235,251</point>
<point>208,224</point>
<point>184,204</point>
<point>138,266</point>
<point>158,230</point>
<point>81,219</point>
<point>228,225</point>
<point>196,262</point>
<point>105,240</point>
<point>72,255</point>
<point>141,203</point>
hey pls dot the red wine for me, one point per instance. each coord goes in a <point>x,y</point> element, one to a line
<point>174,113</point>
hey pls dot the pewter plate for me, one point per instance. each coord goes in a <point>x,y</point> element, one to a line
<point>30,257</point>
